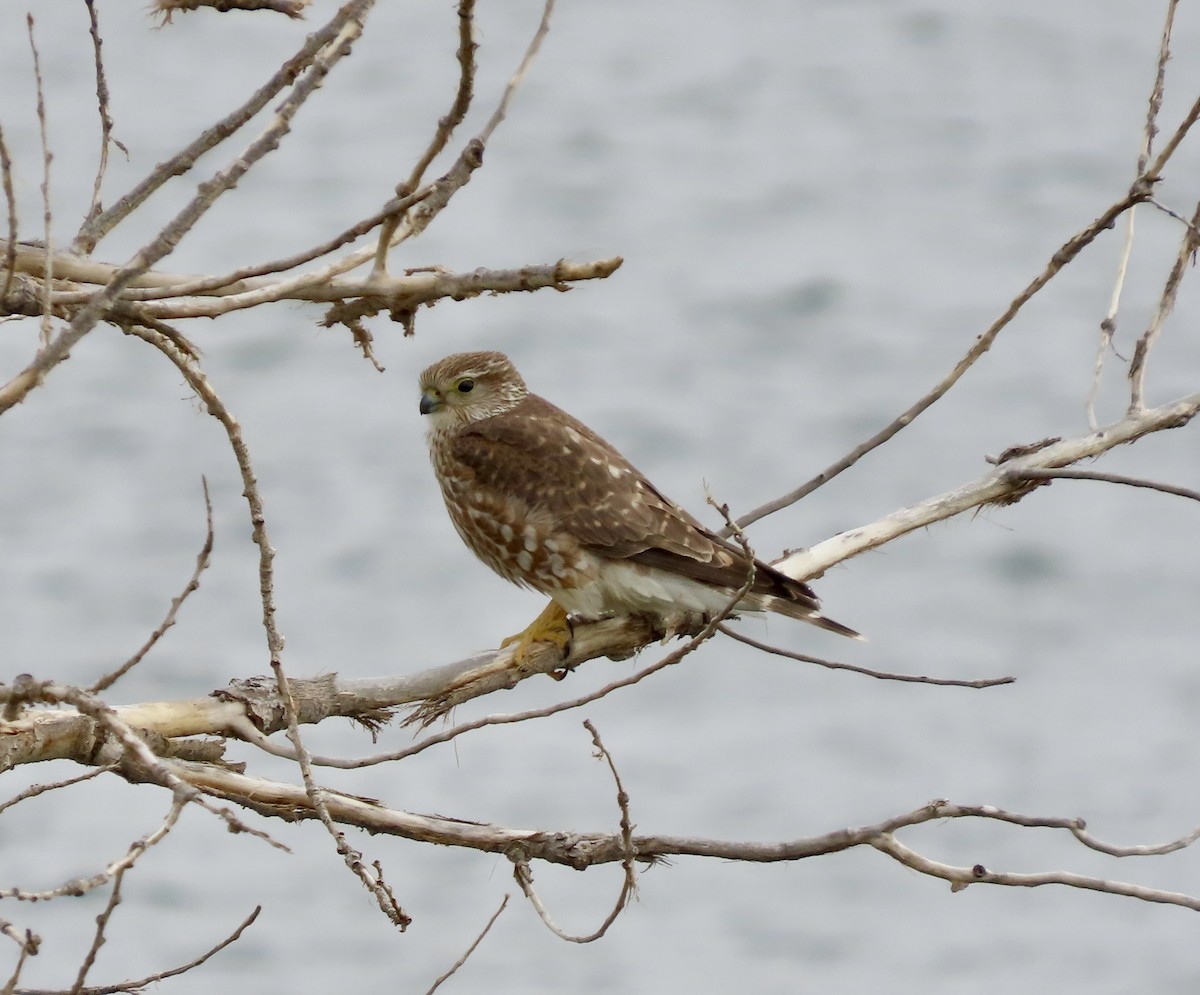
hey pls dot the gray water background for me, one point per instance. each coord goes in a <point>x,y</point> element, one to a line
<point>820,205</point>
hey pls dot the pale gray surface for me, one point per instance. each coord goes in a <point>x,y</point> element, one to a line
<point>820,205</point>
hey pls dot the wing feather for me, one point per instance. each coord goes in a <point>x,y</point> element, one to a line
<point>565,473</point>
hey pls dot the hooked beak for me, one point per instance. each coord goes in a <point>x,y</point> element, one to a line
<point>430,402</point>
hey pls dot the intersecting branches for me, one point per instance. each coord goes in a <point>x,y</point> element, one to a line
<point>524,874</point>
<point>1141,190</point>
<point>180,746</point>
<point>71,292</point>
<point>61,283</point>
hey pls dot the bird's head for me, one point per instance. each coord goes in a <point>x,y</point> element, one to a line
<point>469,386</point>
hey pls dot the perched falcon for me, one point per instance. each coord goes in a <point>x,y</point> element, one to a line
<point>548,504</point>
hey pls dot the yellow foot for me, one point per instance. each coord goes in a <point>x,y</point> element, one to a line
<point>551,626</point>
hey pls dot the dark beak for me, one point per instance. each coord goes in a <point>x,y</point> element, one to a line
<point>429,403</point>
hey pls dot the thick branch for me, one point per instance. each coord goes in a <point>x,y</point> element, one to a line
<point>408,291</point>
<point>1003,485</point>
<point>583,850</point>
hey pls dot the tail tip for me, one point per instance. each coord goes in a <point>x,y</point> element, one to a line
<point>842,630</point>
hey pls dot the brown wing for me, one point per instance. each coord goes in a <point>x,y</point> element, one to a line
<point>561,469</point>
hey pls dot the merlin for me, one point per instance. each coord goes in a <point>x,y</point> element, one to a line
<point>550,505</point>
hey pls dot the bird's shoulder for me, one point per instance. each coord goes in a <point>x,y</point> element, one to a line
<point>565,468</point>
<point>536,432</point>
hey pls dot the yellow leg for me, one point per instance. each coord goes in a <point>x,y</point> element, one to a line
<point>551,626</point>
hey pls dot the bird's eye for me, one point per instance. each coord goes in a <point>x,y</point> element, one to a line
<point>466,386</point>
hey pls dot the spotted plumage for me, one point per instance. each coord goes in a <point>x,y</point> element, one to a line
<point>548,504</point>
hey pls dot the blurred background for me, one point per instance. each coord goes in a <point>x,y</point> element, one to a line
<point>820,206</point>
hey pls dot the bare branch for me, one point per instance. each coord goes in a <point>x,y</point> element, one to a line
<point>87,316</point>
<point>40,789</point>
<point>462,98</point>
<point>1166,304</point>
<point>106,124</point>
<point>28,943</point>
<point>162,337</point>
<point>114,899</point>
<point>1140,192</point>
<point>154,333</point>
<point>1069,250</point>
<point>202,560</point>
<point>10,200</point>
<point>961,877</point>
<point>183,161</point>
<point>1108,326</point>
<point>445,128</point>
<point>523,873</point>
<point>137,760</point>
<point>292,8</point>
<point>514,83</point>
<point>352,858</point>
<point>418,286</point>
<point>47,158</point>
<point>471,949</point>
<point>997,487</point>
<point>987,682</point>
<point>1111,478</point>
<point>140,983</point>
<point>582,850</point>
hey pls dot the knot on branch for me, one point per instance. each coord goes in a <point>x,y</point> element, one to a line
<point>314,699</point>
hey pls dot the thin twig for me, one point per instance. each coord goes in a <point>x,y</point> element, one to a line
<point>523,873</point>
<point>10,200</point>
<point>229,283</point>
<point>106,125</point>
<point>162,337</point>
<point>47,158</point>
<point>202,561</point>
<point>1065,473</point>
<point>140,983</point>
<point>446,125</point>
<point>995,488</point>
<point>353,859</point>
<point>184,160</point>
<point>1166,304</point>
<point>86,317</point>
<point>82,885</point>
<point>514,83</point>
<point>472,156</point>
<point>989,682</point>
<point>28,943</point>
<point>962,877</point>
<point>139,762</point>
<point>462,98</point>
<point>1108,326</point>
<point>1141,191</point>
<point>581,850</point>
<point>471,949</point>
<point>291,8</point>
<point>154,333</point>
<point>40,789</point>
<point>981,345</point>
<point>114,899</point>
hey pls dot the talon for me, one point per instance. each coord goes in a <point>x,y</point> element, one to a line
<point>551,626</point>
